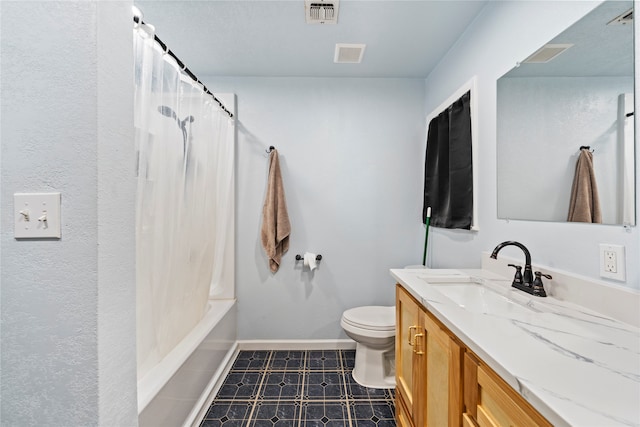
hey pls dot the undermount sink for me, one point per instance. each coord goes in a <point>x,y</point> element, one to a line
<point>445,276</point>
<point>477,298</point>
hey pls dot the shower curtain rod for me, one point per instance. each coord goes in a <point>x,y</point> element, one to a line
<point>184,68</point>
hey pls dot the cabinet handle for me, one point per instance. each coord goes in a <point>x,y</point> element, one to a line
<point>411,342</point>
<point>416,343</point>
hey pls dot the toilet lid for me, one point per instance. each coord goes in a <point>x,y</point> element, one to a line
<point>371,317</point>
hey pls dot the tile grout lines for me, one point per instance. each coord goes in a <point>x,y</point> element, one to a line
<point>304,365</point>
<point>255,400</point>
<point>312,388</point>
<point>346,391</point>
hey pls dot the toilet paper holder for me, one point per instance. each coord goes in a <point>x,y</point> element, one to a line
<point>300,257</point>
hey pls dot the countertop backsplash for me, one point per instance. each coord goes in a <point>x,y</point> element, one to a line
<point>620,303</point>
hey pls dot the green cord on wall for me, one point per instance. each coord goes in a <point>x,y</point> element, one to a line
<point>426,236</point>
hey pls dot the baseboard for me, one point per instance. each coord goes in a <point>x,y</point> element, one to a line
<point>202,407</point>
<point>331,344</point>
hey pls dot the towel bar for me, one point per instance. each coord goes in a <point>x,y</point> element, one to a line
<point>300,257</point>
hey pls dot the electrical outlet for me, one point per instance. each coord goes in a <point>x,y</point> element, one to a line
<point>612,265</point>
<point>610,262</point>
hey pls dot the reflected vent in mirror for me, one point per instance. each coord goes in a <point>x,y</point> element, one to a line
<point>547,53</point>
<point>348,53</point>
<point>321,12</point>
<point>624,19</point>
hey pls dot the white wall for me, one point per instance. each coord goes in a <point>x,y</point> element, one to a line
<point>350,153</point>
<point>68,305</point>
<point>117,392</point>
<point>505,33</point>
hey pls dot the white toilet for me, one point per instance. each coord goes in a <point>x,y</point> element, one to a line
<point>373,328</point>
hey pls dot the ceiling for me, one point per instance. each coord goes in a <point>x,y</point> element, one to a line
<point>271,38</point>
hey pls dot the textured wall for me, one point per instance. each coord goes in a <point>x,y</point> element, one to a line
<point>116,218</point>
<point>504,33</point>
<point>49,294</point>
<point>348,150</point>
<point>57,135</point>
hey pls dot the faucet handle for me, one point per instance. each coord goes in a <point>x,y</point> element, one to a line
<point>518,276</point>
<point>538,288</point>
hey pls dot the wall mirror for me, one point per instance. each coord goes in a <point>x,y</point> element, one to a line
<point>575,91</point>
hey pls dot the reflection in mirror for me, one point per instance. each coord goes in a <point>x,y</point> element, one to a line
<point>577,92</point>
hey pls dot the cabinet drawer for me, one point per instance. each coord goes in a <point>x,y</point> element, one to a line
<point>499,406</point>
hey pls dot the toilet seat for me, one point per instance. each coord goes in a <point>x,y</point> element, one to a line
<point>373,318</point>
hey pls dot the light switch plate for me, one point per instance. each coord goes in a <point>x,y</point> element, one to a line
<point>36,215</point>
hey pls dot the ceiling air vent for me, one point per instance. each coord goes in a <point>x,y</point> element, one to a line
<point>321,11</point>
<point>348,53</point>
<point>625,18</point>
<point>547,53</point>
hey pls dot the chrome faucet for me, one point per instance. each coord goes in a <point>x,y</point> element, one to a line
<point>524,280</point>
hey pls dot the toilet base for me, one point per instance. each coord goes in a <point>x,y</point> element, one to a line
<point>375,368</point>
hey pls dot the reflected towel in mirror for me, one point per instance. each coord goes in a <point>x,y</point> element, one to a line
<point>584,205</point>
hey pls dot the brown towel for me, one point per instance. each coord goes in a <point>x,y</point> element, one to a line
<point>584,205</point>
<point>275,219</point>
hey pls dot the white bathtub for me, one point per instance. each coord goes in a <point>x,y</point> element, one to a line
<point>171,393</point>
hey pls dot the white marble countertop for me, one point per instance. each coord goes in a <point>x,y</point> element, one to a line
<point>575,366</point>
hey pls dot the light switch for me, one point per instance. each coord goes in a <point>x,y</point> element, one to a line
<point>36,215</point>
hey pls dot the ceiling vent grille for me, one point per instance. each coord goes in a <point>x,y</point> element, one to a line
<point>321,11</point>
<point>547,53</point>
<point>624,19</point>
<point>348,53</point>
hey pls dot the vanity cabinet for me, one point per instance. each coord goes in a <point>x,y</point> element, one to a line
<point>428,368</point>
<point>440,382</point>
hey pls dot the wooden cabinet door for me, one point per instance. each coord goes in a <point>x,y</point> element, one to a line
<point>407,361</point>
<point>428,368</point>
<point>470,388</point>
<point>403,418</point>
<point>443,391</point>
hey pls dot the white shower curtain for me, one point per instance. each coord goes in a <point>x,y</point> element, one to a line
<point>184,200</point>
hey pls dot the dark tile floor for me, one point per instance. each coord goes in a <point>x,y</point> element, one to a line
<point>298,388</point>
